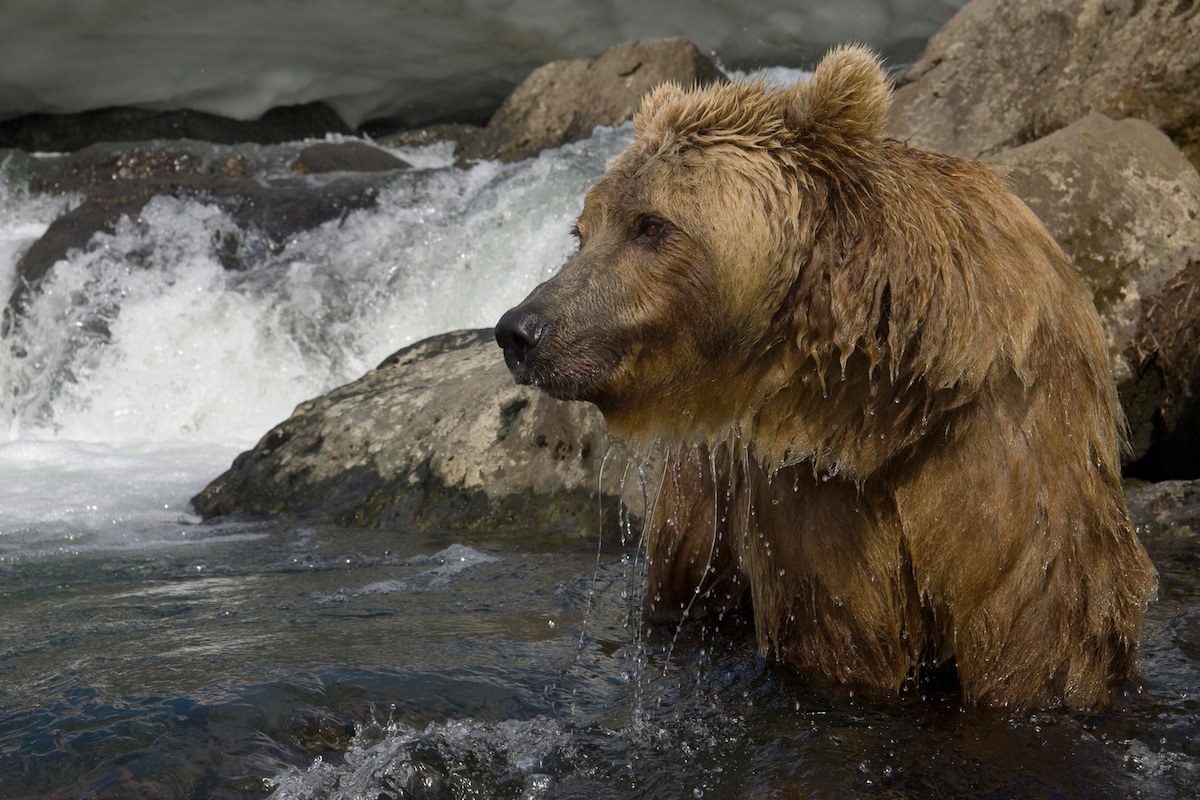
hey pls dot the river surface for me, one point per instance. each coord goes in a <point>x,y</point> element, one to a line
<point>146,655</point>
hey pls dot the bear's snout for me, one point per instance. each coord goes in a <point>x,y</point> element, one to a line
<point>518,332</point>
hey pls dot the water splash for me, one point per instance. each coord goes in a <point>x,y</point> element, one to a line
<point>512,758</point>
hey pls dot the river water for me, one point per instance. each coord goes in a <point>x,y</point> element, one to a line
<point>146,655</point>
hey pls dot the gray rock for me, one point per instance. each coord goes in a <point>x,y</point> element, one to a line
<point>345,157</point>
<point>1124,204</point>
<point>457,133</point>
<point>437,437</point>
<point>1001,74</point>
<point>564,101</point>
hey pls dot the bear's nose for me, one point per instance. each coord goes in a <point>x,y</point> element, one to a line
<point>518,332</point>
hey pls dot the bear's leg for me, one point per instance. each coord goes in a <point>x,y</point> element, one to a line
<point>1021,544</point>
<point>831,583</point>
<point>691,570</point>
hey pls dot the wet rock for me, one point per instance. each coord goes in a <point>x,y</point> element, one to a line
<point>1166,504</point>
<point>437,437</point>
<point>345,157</point>
<point>98,167</point>
<point>390,136</point>
<point>1001,74</point>
<point>67,132</point>
<point>1124,204</point>
<point>564,101</point>
<point>1166,516</point>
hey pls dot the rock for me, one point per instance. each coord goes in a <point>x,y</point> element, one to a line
<point>564,101</point>
<point>100,166</point>
<point>437,437</point>
<point>67,132</point>
<point>1001,74</point>
<point>1125,206</point>
<point>1166,504</point>
<point>390,136</point>
<point>345,157</point>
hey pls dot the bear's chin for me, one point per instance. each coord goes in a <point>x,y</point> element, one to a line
<point>565,381</point>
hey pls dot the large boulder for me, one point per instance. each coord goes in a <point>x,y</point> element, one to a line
<point>1125,205</point>
<point>564,101</point>
<point>437,437</point>
<point>1001,74</point>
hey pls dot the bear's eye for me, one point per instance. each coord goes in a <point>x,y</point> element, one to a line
<point>649,229</point>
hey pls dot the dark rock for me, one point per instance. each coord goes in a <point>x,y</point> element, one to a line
<point>1164,387</point>
<point>437,437</point>
<point>100,166</point>
<point>66,132</point>
<point>1001,74</point>
<point>1125,206</point>
<point>564,101</point>
<point>1165,504</point>
<point>1166,516</point>
<point>345,157</point>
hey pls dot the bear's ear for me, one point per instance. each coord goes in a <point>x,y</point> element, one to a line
<point>653,102</point>
<point>849,91</point>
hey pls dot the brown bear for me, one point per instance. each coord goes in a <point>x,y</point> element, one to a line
<point>883,391</point>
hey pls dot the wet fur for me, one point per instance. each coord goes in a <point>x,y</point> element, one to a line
<point>883,366</point>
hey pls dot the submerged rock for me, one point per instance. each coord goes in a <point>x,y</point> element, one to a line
<point>436,437</point>
<point>345,157</point>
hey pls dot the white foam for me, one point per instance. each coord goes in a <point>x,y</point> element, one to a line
<point>64,498</point>
<point>511,751</point>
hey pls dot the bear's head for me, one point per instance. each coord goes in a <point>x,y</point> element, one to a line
<point>695,269</point>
